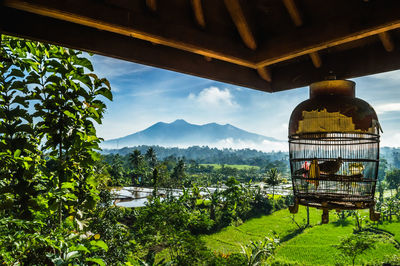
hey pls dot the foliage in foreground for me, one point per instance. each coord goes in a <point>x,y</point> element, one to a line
<point>49,101</point>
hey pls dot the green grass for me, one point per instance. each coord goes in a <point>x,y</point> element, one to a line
<point>313,246</point>
<point>229,239</point>
<point>236,166</point>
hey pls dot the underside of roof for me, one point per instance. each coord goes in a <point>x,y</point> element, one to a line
<point>268,45</point>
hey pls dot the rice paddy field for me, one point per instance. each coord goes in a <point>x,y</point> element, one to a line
<point>313,246</point>
<point>236,166</point>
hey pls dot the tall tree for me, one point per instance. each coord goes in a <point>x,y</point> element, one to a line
<point>178,174</point>
<point>151,157</point>
<point>49,99</point>
<point>393,179</point>
<point>19,146</point>
<point>137,160</point>
<point>273,179</point>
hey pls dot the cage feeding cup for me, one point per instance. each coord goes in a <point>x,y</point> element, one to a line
<point>334,150</point>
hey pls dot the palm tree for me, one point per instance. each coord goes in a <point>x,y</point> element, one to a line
<point>136,159</point>
<point>273,179</point>
<point>151,157</point>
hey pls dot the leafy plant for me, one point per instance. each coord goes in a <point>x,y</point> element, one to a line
<point>49,102</point>
<point>355,245</point>
<point>257,252</point>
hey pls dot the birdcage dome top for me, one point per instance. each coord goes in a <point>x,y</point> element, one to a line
<point>333,107</point>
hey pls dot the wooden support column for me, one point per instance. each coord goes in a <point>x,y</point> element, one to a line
<point>387,41</point>
<point>198,13</point>
<point>238,17</point>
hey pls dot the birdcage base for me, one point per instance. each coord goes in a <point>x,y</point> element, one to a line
<point>335,201</point>
<point>326,206</point>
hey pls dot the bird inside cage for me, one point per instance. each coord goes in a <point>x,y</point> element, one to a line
<point>330,167</point>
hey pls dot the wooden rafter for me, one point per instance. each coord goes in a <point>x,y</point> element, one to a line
<point>304,41</point>
<point>347,64</point>
<point>387,41</point>
<point>316,59</point>
<point>293,12</point>
<point>297,20</point>
<point>152,5</point>
<point>198,13</point>
<point>145,28</point>
<point>242,25</point>
<point>123,47</point>
<point>264,73</point>
<point>125,29</point>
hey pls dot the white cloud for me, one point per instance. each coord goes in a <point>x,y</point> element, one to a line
<point>214,97</point>
<point>390,140</point>
<point>387,107</point>
<point>265,146</point>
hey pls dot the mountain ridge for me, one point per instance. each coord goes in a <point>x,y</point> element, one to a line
<point>180,133</point>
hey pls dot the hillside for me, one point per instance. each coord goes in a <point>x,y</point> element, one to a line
<point>183,134</point>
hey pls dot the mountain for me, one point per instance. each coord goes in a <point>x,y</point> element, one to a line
<point>183,134</point>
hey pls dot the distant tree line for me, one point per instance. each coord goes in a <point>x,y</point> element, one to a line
<point>206,154</point>
<point>147,169</point>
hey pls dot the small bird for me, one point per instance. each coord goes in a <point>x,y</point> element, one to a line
<point>303,170</point>
<point>330,167</point>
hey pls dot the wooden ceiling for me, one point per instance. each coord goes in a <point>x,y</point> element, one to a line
<point>268,45</point>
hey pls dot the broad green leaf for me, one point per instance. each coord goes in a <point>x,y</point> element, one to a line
<point>82,61</point>
<point>105,92</point>
<point>18,73</point>
<point>80,248</point>
<point>97,260</point>
<point>67,185</point>
<point>17,153</point>
<point>69,114</point>
<point>99,243</point>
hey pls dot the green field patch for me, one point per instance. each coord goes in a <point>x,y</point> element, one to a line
<point>229,239</point>
<point>313,246</point>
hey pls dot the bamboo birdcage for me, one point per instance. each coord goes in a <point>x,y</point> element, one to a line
<point>334,150</point>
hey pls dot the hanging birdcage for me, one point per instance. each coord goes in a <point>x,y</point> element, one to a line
<point>334,150</point>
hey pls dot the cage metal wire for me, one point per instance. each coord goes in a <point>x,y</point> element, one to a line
<point>352,186</point>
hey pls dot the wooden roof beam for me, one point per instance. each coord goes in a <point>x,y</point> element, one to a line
<point>298,21</point>
<point>387,41</point>
<point>115,20</point>
<point>198,13</point>
<point>346,64</point>
<point>152,5</point>
<point>264,73</point>
<point>238,17</point>
<point>293,12</point>
<point>110,44</point>
<point>305,41</point>
<point>316,59</point>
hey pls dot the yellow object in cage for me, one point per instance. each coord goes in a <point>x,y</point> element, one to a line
<point>314,172</point>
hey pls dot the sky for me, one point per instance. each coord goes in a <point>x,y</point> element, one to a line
<point>145,95</point>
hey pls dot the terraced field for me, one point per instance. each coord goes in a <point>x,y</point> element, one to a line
<point>313,246</point>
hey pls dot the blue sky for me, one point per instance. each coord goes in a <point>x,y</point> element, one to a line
<point>145,95</point>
